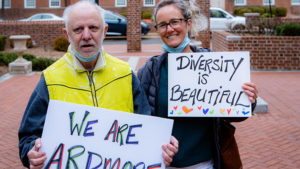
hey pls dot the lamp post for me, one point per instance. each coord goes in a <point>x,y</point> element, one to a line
<point>270,8</point>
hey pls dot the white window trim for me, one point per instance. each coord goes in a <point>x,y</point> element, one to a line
<point>116,4</point>
<point>6,7</point>
<point>149,4</point>
<point>272,2</point>
<point>243,4</point>
<point>29,6</point>
<point>54,6</point>
<point>295,3</point>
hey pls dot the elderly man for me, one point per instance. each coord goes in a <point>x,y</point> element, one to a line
<point>87,75</point>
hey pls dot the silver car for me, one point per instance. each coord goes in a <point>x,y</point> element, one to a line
<point>222,20</point>
<point>43,17</point>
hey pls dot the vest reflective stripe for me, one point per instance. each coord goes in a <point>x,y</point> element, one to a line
<point>109,88</point>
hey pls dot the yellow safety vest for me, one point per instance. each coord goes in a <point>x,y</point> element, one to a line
<point>109,87</point>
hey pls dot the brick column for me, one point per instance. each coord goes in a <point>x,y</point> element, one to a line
<point>204,36</point>
<point>229,6</point>
<point>134,11</point>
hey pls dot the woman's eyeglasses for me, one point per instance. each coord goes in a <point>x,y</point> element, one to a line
<point>174,23</point>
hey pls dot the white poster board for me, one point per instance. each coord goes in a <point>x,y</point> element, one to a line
<point>79,136</point>
<point>208,84</point>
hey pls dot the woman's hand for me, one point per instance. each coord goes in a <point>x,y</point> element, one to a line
<point>169,151</point>
<point>251,91</point>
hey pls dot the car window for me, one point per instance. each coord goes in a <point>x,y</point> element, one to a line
<point>217,14</point>
<point>46,17</point>
<point>111,17</point>
<point>35,17</point>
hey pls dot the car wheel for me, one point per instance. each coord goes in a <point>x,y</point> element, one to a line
<point>239,27</point>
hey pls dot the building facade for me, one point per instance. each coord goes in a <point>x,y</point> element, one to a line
<point>19,9</point>
<point>292,6</point>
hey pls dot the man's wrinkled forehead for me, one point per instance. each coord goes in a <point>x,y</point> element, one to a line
<point>76,12</point>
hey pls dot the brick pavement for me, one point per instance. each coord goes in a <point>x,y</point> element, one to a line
<point>269,140</point>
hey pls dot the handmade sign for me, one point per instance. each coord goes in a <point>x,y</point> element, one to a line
<point>208,84</point>
<point>79,136</point>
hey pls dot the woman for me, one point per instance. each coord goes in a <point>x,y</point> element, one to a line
<point>197,137</point>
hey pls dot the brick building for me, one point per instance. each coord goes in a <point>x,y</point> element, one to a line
<point>45,34</point>
<point>18,9</point>
<point>292,6</point>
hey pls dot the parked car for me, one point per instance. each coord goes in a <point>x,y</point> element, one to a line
<point>43,17</point>
<point>117,24</point>
<point>222,20</point>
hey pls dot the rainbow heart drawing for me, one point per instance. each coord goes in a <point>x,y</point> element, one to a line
<point>245,112</point>
<point>175,107</point>
<point>228,111</point>
<point>186,110</point>
<point>237,112</point>
<point>222,111</point>
<point>199,108</point>
<point>205,111</point>
<point>211,112</point>
<point>172,112</point>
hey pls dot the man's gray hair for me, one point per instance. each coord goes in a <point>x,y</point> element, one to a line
<point>69,8</point>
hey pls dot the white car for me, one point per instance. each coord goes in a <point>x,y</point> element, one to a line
<point>43,17</point>
<point>222,20</point>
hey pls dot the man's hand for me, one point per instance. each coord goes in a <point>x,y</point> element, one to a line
<point>36,158</point>
<point>169,151</point>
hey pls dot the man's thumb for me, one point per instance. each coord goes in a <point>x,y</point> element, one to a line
<point>38,144</point>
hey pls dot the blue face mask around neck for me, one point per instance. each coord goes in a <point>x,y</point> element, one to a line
<point>180,48</point>
<point>86,59</point>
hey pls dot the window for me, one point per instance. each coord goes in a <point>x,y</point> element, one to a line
<point>149,2</point>
<point>54,3</point>
<point>240,2</point>
<point>29,3</point>
<point>295,2</point>
<point>6,3</point>
<point>36,17</point>
<point>267,2</point>
<point>121,3</point>
<point>92,1</point>
<point>217,14</point>
<point>110,17</point>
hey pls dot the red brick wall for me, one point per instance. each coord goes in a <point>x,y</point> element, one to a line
<point>42,4</point>
<point>295,10</point>
<point>108,3</point>
<point>17,10</point>
<point>43,33</point>
<point>204,36</point>
<point>255,2</point>
<point>219,42</point>
<point>17,4</point>
<point>266,52</point>
<point>39,3</point>
<point>18,13</point>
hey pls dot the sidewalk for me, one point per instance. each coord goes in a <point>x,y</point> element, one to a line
<point>265,141</point>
